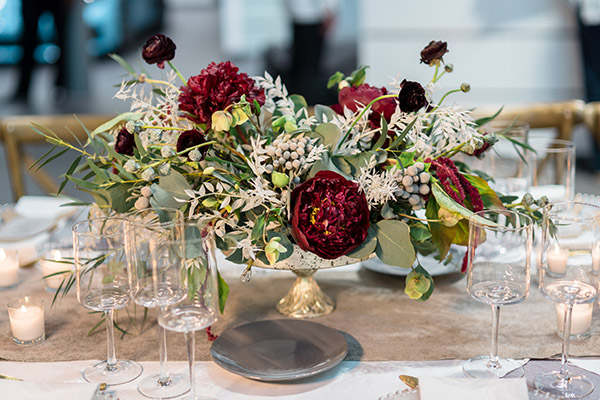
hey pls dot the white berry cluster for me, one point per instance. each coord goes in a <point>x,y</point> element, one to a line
<point>414,183</point>
<point>143,201</point>
<point>288,155</point>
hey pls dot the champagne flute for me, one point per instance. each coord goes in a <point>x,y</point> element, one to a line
<point>570,260</point>
<point>499,252</point>
<point>161,224</point>
<point>103,285</point>
<point>186,264</point>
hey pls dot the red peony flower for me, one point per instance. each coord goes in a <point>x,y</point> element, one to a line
<point>158,49</point>
<point>217,86</point>
<point>435,50</point>
<point>330,215</point>
<point>191,138</point>
<point>359,96</point>
<point>411,96</point>
<point>125,142</point>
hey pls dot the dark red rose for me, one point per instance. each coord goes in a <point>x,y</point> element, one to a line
<point>411,96</point>
<point>158,49</point>
<point>125,142</point>
<point>354,97</point>
<point>435,50</point>
<point>330,215</point>
<point>217,86</point>
<point>191,138</point>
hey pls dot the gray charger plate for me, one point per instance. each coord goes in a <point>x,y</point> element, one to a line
<point>279,350</point>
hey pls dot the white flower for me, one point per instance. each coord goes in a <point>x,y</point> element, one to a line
<point>379,187</point>
<point>131,166</point>
<point>149,174</point>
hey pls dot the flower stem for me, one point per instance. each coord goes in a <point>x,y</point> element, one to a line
<point>177,72</point>
<point>368,106</point>
<point>160,82</point>
<point>444,97</point>
<point>163,128</point>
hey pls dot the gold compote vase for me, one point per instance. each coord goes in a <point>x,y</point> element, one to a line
<point>305,299</point>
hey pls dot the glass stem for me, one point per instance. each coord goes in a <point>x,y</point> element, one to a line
<point>493,363</point>
<point>190,342</point>
<point>163,379</point>
<point>564,359</point>
<point>111,359</point>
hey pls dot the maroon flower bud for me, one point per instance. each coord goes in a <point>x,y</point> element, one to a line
<point>191,138</point>
<point>330,215</point>
<point>435,50</point>
<point>125,142</point>
<point>158,49</point>
<point>411,96</point>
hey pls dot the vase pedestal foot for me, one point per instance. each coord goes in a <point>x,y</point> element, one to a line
<point>305,299</point>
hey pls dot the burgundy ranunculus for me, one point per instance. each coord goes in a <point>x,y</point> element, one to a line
<point>359,96</point>
<point>330,215</point>
<point>191,138</point>
<point>158,49</point>
<point>411,96</point>
<point>125,142</point>
<point>435,50</point>
<point>217,86</point>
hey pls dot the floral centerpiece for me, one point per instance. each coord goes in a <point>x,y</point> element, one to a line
<point>270,176</point>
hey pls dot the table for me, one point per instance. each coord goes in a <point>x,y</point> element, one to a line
<point>387,333</point>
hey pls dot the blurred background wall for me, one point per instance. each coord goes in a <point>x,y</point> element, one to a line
<point>510,51</point>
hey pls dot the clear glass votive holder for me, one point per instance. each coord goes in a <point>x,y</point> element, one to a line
<point>56,265</point>
<point>9,268</point>
<point>26,316</point>
<point>581,320</point>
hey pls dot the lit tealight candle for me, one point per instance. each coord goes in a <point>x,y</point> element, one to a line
<point>581,319</point>
<point>557,259</point>
<point>26,317</point>
<point>51,264</point>
<point>9,268</point>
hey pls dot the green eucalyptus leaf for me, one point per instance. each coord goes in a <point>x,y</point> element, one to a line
<point>393,243</point>
<point>223,292</point>
<point>118,198</point>
<point>108,125</point>
<point>335,79</point>
<point>330,133</point>
<point>367,247</point>
<point>324,113</point>
<point>445,201</point>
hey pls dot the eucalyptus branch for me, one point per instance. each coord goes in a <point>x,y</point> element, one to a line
<point>163,128</point>
<point>156,163</point>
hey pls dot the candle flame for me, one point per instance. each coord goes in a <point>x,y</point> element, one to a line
<point>56,254</point>
<point>556,249</point>
<point>23,308</point>
<point>2,255</point>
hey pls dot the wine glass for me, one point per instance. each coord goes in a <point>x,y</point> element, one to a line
<point>161,224</point>
<point>553,165</point>
<point>186,265</point>
<point>103,285</point>
<point>504,162</point>
<point>499,252</point>
<point>570,260</point>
